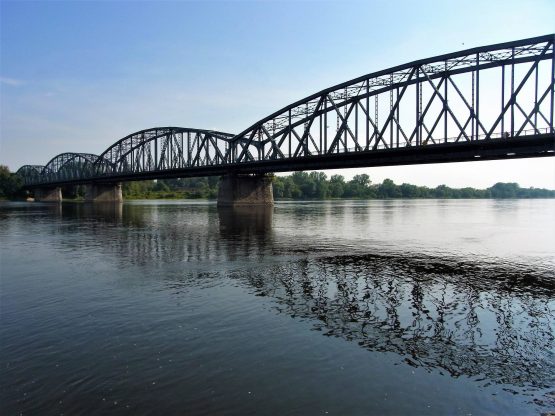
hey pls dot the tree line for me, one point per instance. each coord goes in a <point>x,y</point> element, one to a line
<point>299,185</point>
<point>316,185</point>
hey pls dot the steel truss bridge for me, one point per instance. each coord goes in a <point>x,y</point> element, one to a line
<point>490,102</point>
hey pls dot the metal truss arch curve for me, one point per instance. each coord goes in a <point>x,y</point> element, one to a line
<point>164,148</point>
<point>69,166</point>
<point>366,114</point>
<point>30,174</point>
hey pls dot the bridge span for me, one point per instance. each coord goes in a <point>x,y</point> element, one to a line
<point>486,103</point>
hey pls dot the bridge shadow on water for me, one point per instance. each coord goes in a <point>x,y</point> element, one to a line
<point>490,322</point>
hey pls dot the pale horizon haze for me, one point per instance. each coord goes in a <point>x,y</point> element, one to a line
<point>78,76</point>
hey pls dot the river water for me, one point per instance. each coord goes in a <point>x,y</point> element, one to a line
<point>310,308</point>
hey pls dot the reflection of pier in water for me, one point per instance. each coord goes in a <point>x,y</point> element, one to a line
<point>488,322</point>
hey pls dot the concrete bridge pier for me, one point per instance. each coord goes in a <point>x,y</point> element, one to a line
<point>245,190</point>
<point>104,192</point>
<point>53,194</point>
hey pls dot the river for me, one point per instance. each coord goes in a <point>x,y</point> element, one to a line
<point>310,308</point>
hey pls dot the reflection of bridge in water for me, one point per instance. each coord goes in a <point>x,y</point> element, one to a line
<point>489,322</point>
<point>491,102</point>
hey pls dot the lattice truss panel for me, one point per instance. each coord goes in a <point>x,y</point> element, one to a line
<point>486,93</point>
<point>30,174</point>
<point>164,149</point>
<point>69,166</point>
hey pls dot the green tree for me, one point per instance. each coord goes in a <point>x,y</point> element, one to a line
<point>362,180</point>
<point>160,186</point>
<point>292,190</point>
<point>10,183</point>
<point>278,187</point>
<point>409,191</point>
<point>388,189</point>
<point>321,185</point>
<point>336,186</point>
<point>443,191</point>
<point>504,190</point>
<point>358,187</point>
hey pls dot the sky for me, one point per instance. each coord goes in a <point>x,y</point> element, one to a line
<point>77,76</point>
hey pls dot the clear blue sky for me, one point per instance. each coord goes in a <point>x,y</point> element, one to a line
<point>77,76</point>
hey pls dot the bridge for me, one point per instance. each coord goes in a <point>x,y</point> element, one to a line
<point>486,103</point>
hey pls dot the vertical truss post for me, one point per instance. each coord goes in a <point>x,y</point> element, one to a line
<point>182,156</point>
<point>502,97</point>
<point>320,135</point>
<point>156,153</point>
<point>513,98</point>
<point>472,103</point>
<point>376,131</point>
<point>345,129</point>
<point>397,117</point>
<point>367,114</point>
<point>326,125</point>
<point>478,94</point>
<point>171,150</point>
<point>391,112</point>
<point>356,124</point>
<point>552,103</point>
<point>289,130</point>
<point>418,107</point>
<point>445,105</point>
<point>189,149</point>
<point>421,123</point>
<point>536,100</point>
<point>337,136</point>
<point>143,166</point>
<point>306,134</point>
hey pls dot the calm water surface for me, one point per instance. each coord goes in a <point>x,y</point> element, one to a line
<point>345,308</point>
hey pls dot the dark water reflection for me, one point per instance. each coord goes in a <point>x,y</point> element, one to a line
<point>433,315</point>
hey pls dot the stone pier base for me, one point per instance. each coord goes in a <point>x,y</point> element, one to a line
<point>103,192</point>
<point>48,194</point>
<point>245,190</point>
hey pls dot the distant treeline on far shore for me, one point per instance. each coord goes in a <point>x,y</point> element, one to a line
<point>316,185</point>
<point>299,185</point>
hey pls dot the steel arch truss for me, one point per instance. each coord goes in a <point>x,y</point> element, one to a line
<point>30,174</point>
<point>493,102</point>
<point>496,92</point>
<point>164,149</point>
<point>69,167</point>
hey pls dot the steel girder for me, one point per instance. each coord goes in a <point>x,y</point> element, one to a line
<point>488,102</point>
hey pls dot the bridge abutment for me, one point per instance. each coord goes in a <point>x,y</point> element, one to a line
<point>103,192</point>
<point>245,190</point>
<point>53,194</point>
